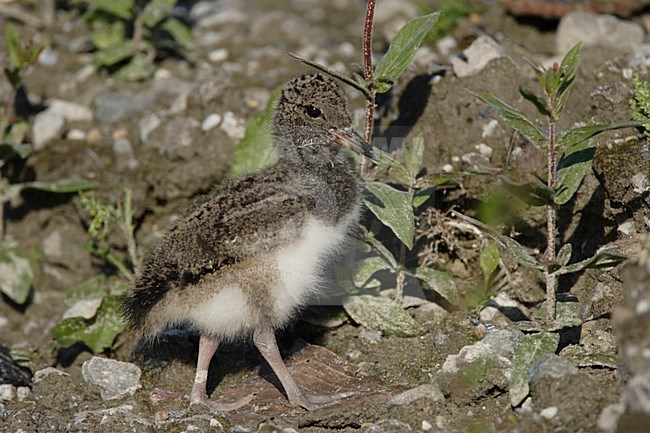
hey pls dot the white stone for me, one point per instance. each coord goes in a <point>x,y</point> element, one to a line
<point>484,150</point>
<point>592,29</point>
<point>47,372</point>
<point>114,379</point>
<point>447,168</point>
<point>626,228</point>
<point>76,134</point>
<point>7,392</point>
<point>549,412</point>
<point>22,392</point>
<point>483,50</point>
<point>426,425</point>
<point>71,111</point>
<point>233,126</point>
<point>489,128</point>
<point>48,126</point>
<point>210,122</point>
<point>446,45</point>
<point>218,55</point>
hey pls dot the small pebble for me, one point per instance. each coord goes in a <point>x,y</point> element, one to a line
<point>370,336</point>
<point>218,55</point>
<point>7,392</point>
<point>549,412</point>
<point>426,425</point>
<point>210,122</point>
<point>447,168</point>
<point>484,150</point>
<point>76,134</point>
<point>233,126</point>
<point>22,392</point>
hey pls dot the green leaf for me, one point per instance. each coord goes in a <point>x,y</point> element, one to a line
<point>515,119</point>
<point>515,249</point>
<point>114,54</point>
<point>576,136</point>
<point>569,68</point>
<point>332,73</point>
<point>564,255</point>
<point>139,68</point>
<point>120,8</point>
<point>439,281</point>
<point>95,287</point>
<point>15,49</point>
<point>156,10</point>
<point>62,186</point>
<point>531,193</point>
<point>381,313</point>
<point>402,50</point>
<point>393,208</point>
<point>489,260</point>
<point>255,151</point>
<point>377,245</point>
<point>97,333</point>
<point>572,168</point>
<point>602,259</point>
<point>530,349</point>
<point>413,155</point>
<point>537,100</point>
<point>179,32</point>
<point>364,269</point>
<point>422,195</point>
<point>16,275</point>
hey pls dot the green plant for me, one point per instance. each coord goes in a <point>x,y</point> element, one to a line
<point>15,266</point>
<point>569,155</point>
<point>95,301</point>
<point>640,103</point>
<point>130,34</point>
<point>480,296</point>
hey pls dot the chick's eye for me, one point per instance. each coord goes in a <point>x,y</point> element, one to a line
<point>313,111</point>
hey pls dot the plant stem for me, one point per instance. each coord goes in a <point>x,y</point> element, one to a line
<point>367,74</point>
<point>551,216</point>
<point>401,277</point>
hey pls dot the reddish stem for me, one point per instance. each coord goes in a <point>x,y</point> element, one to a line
<point>367,74</point>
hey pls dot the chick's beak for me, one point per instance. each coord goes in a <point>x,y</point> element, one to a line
<point>349,138</point>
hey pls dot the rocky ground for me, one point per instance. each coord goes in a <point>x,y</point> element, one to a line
<point>171,138</point>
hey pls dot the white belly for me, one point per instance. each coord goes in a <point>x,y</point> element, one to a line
<point>299,267</point>
<point>301,264</point>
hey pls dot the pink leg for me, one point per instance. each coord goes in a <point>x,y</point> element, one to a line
<point>264,340</point>
<point>207,347</point>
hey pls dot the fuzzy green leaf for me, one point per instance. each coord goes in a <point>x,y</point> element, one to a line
<point>564,255</point>
<point>489,260</point>
<point>402,50</point>
<point>422,195</point>
<point>381,313</point>
<point>120,8</point>
<point>156,10</point>
<point>577,136</point>
<point>515,119</point>
<point>393,208</point>
<point>537,100</point>
<point>255,151</point>
<point>439,281</point>
<point>572,168</point>
<point>16,275</point>
<point>569,67</point>
<point>364,269</point>
<point>413,155</point>
<point>531,193</point>
<point>602,259</point>
<point>530,349</point>
<point>114,54</point>
<point>381,249</point>
<point>14,48</point>
<point>179,32</point>
<point>98,333</point>
<point>62,186</point>
<point>517,250</point>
